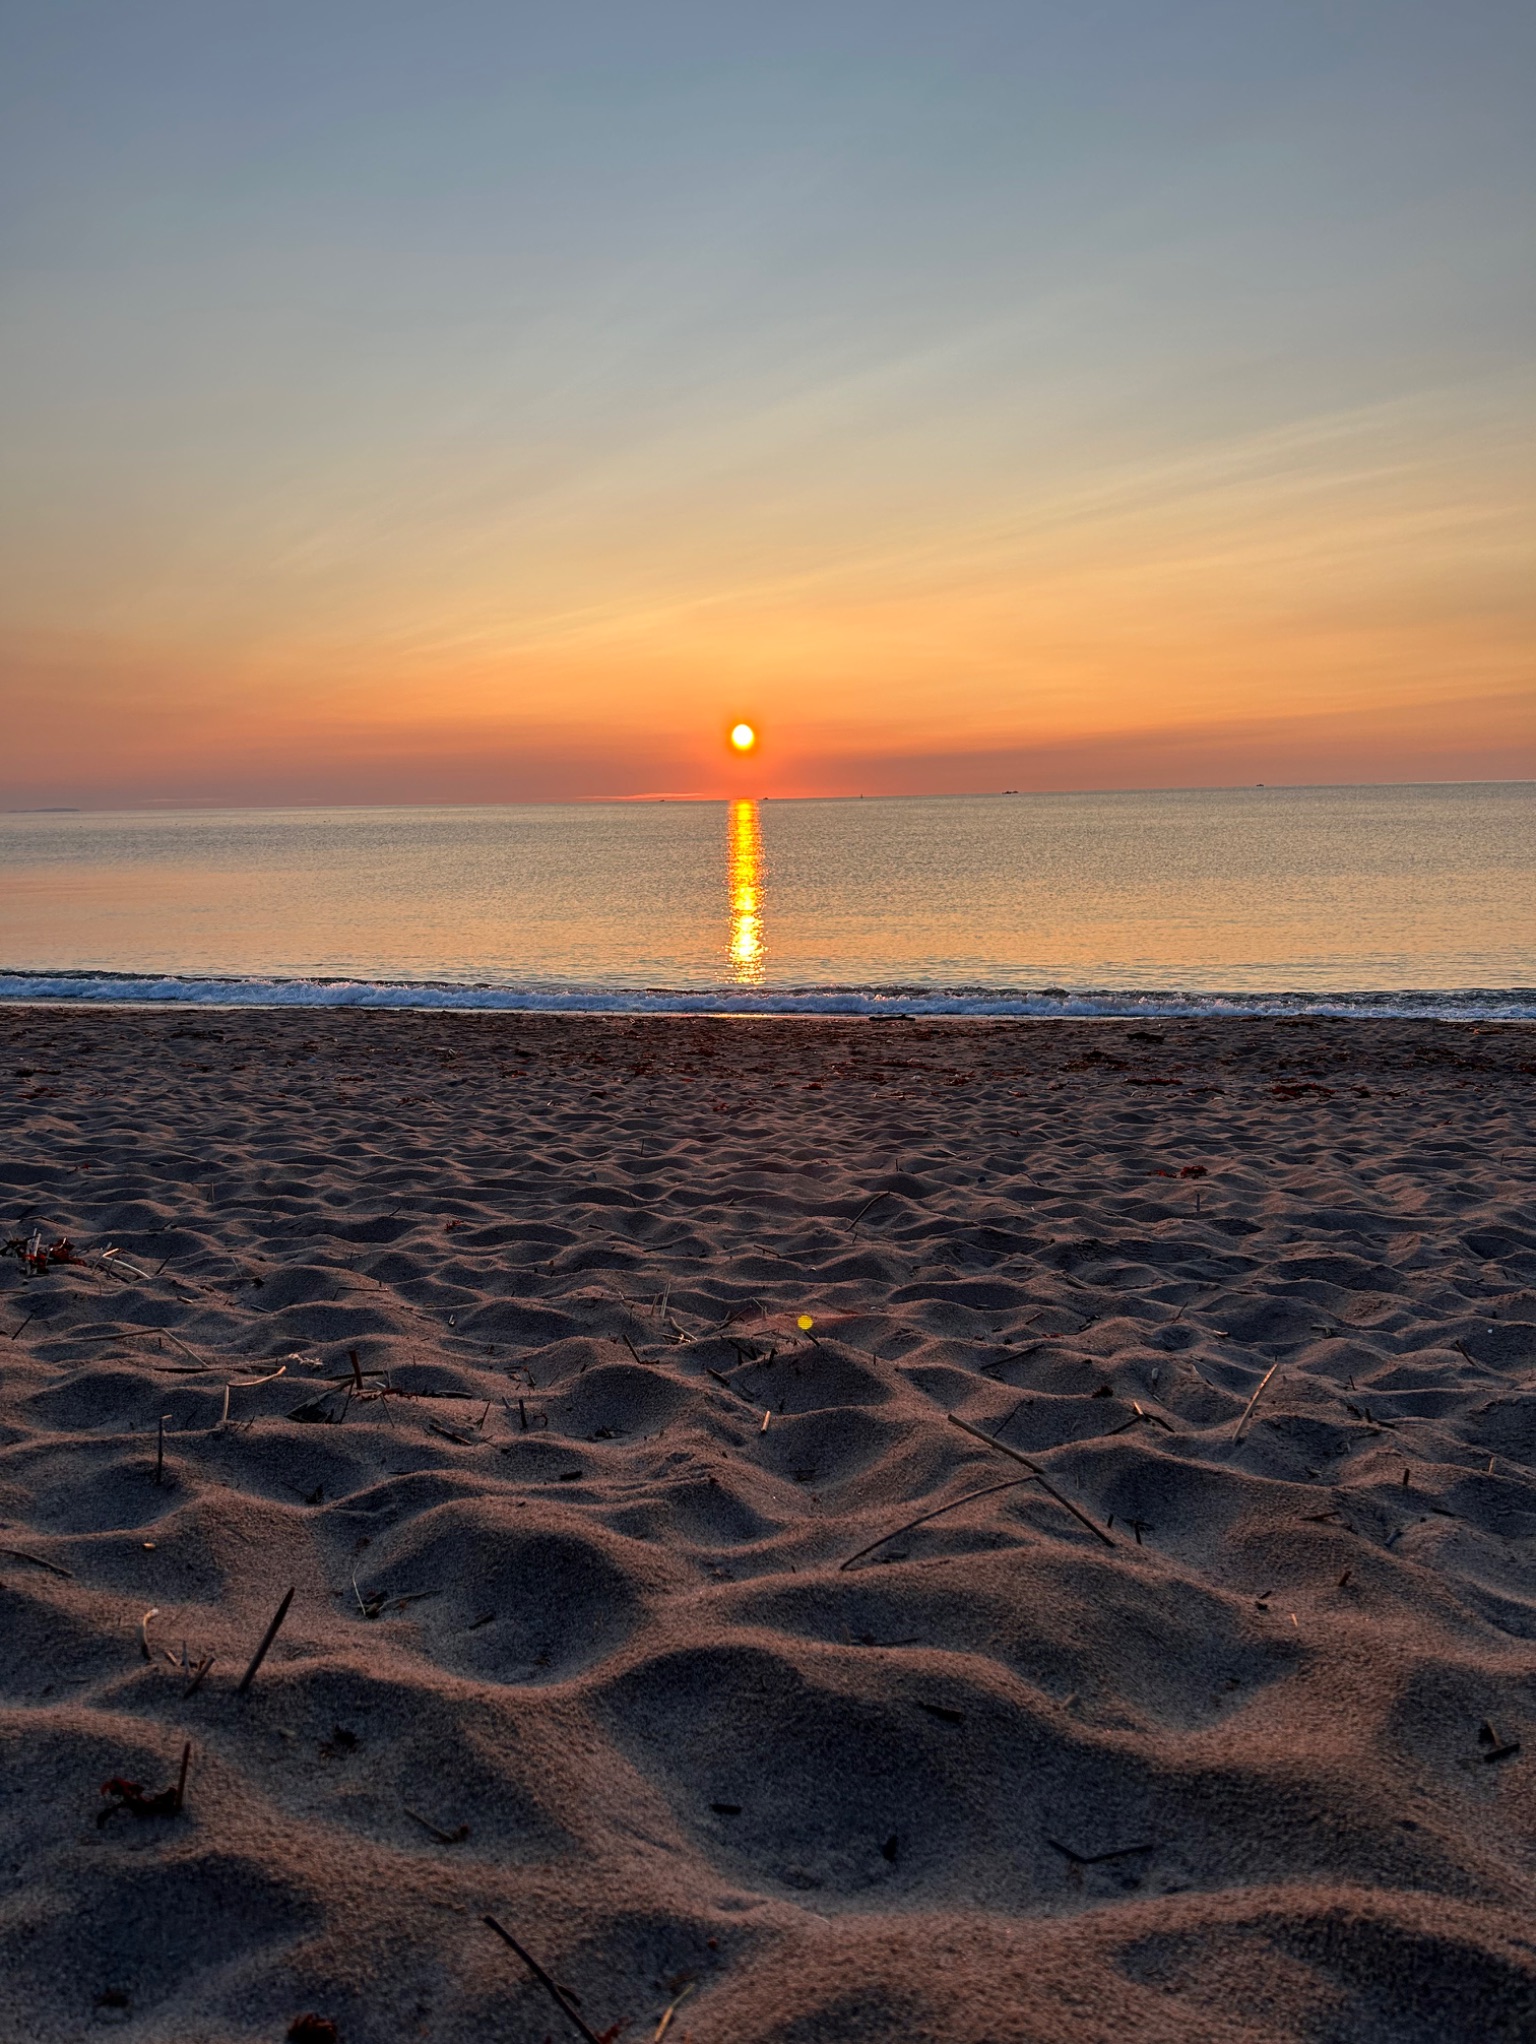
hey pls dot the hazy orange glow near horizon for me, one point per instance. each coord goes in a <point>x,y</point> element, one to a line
<point>1016,399</point>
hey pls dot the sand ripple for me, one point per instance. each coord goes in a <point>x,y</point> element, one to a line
<point>485,1334</point>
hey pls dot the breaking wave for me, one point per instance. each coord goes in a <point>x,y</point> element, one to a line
<point>1464,1004</point>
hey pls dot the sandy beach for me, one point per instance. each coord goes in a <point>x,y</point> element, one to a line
<point>583,1378</point>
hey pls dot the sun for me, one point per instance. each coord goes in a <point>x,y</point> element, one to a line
<point>743,737</point>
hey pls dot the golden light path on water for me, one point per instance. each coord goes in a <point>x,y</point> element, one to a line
<point>744,868</point>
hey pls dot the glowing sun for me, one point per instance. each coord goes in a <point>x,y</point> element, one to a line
<point>743,737</point>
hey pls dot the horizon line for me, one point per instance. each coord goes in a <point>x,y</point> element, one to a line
<point>163,805</point>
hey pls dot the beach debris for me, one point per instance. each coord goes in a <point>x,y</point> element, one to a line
<point>1097,1859</point>
<point>144,1647</point>
<point>1237,1431</point>
<point>556,1994</point>
<point>1139,1416</point>
<point>266,1641</point>
<point>197,1676</point>
<point>36,1256</point>
<point>670,2011</point>
<point>1045,1483</point>
<point>943,1713</point>
<point>1494,1747</point>
<point>863,1210</point>
<point>314,1412</point>
<point>37,1561</point>
<point>455,1837</point>
<point>380,1601</point>
<point>1010,1483</point>
<point>805,1323</point>
<point>177,1342</point>
<point>113,1259</point>
<point>313,2030</point>
<point>123,1794</point>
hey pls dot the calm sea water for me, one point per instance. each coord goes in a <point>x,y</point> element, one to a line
<point>1411,899</point>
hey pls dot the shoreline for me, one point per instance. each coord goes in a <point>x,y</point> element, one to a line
<point>93,992</point>
<point>613,1617</point>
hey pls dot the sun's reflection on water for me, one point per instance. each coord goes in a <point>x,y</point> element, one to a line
<point>744,865</point>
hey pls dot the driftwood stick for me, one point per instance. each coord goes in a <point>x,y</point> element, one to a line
<point>1045,1483</point>
<point>192,1352</point>
<point>671,2010</point>
<point>1011,1483</point>
<point>863,1210</point>
<point>1237,1431</point>
<point>21,1554</point>
<point>443,1837</point>
<point>549,1986</point>
<point>266,1641</point>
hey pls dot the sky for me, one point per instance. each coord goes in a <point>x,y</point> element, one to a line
<point>479,402</point>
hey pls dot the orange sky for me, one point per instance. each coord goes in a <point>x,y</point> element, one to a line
<point>364,449</point>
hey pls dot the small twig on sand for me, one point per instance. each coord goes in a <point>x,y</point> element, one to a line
<point>113,1260</point>
<point>1012,1483</point>
<point>863,1210</point>
<point>555,1993</point>
<point>181,1778</point>
<point>448,1434</point>
<point>671,2010</point>
<point>197,1677</point>
<point>144,1648</point>
<point>267,1638</point>
<point>20,1554</point>
<point>192,1352</point>
<point>1237,1431</point>
<point>160,1450</point>
<point>250,1383</point>
<point>443,1837</point>
<point>1097,1859</point>
<point>1045,1483</point>
<point>726,1383</point>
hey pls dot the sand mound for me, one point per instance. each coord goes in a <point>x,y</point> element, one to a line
<point>696,1644</point>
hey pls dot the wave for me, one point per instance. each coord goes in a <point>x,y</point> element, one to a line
<point>1463,1004</point>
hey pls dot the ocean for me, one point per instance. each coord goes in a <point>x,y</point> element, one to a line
<point>1376,900</point>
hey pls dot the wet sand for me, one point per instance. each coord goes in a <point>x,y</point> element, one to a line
<point>1216,1725</point>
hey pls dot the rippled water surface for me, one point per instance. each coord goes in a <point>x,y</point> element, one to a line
<point>977,902</point>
